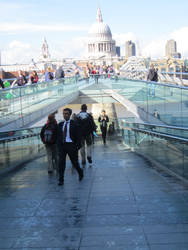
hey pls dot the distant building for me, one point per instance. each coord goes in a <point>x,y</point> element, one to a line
<point>171,49</point>
<point>130,49</point>
<point>45,55</point>
<point>176,55</point>
<point>101,46</point>
<point>118,53</point>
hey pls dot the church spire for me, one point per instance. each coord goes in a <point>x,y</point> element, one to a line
<point>45,51</point>
<point>99,15</point>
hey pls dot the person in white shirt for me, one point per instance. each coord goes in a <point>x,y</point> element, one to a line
<point>68,142</point>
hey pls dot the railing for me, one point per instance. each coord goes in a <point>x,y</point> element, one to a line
<point>17,102</point>
<point>177,78</point>
<point>168,151</point>
<point>19,147</point>
<point>169,100</point>
<point>162,129</point>
<point>165,145</point>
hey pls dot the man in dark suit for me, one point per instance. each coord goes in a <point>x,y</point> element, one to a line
<point>69,142</point>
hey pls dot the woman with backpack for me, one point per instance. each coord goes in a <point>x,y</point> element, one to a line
<point>49,138</point>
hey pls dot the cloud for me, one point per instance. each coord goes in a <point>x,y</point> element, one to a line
<point>18,44</point>
<point>121,39</point>
<point>28,27</point>
<point>19,52</point>
<point>8,6</point>
<point>156,48</point>
<point>76,47</point>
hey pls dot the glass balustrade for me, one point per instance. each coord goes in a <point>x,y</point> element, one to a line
<point>170,101</point>
<point>18,147</point>
<point>169,151</point>
<point>19,101</point>
<point>168,130</point>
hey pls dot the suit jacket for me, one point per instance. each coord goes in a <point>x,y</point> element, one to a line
<point>75,134</point>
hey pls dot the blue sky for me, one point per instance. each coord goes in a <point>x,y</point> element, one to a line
<point>65,25</point>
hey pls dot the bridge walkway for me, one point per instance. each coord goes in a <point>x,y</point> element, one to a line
<point>123,203</point>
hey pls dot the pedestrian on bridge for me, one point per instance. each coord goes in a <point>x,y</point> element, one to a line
<point>87,127</point>
<point>68,142</point>
<point>103,119</point>
<point>49,138</point>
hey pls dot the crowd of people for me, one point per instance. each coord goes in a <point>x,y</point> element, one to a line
<point>89,71</point>
<point>76,133</point>
<point>24,78</point>
<point>104,70</point>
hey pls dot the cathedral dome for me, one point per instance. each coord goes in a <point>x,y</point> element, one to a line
<point>99,30</point>
<point>100,42</point>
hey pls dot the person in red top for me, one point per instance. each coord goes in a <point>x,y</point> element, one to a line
<point>49,138</point>
<point>34,77</point>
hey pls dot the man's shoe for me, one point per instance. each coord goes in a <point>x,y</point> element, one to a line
<point>60,183</point>
<point>81,176</point>
<point>89,159</point>
<point>83,162</point>
<point>50,171</point>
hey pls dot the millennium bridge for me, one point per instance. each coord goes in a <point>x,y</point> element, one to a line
<point>134,195</point>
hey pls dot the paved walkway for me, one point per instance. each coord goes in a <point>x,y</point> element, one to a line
<point>122,203</point>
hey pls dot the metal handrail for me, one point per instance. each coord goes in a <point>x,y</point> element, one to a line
<point>19,137</point>
<point>38,83</point>
<point>156,125</point>
<point>161,135</point>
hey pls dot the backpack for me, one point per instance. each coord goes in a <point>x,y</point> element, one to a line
<point>49,134</point>
<point>86,123</point>
<point>50,76</point>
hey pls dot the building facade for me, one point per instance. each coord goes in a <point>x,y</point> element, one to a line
<point>130,49</point>
<point>118,51</point>
<point>171,49</point>
<point>100,42</point>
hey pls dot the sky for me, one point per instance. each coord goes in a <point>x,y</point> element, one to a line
<point>65,25</point>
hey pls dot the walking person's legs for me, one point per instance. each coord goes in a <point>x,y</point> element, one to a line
<point>88,143</point>
<point>103,129</point>
<point>49,157</point>
<point>62,165</point>
<point>54,157</point>
<point>73,155</point>
<point>83,151</point>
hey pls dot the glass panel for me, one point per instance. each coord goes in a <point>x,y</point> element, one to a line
<point>20,101</point>
<point>171,153</point>
<point>14,152</point>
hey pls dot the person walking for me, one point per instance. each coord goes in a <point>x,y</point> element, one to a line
<point>21,79</point>
<point>34,77</point>
<point>68,142</point>
<point>152,74</point>
<point>49,138</point>
<point>87,127</point>
<point>1,84</point>
<point>59,74</point>
<point>48,75</point>
<point>103,119</point>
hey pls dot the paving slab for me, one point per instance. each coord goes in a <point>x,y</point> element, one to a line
<point>123,203</point>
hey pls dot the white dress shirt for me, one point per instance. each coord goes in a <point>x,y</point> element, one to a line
<point>68,139</point>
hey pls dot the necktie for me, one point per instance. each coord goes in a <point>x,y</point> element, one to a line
<point>65,132</point>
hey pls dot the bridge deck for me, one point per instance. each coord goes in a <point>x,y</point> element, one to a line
<point>122,203</point>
